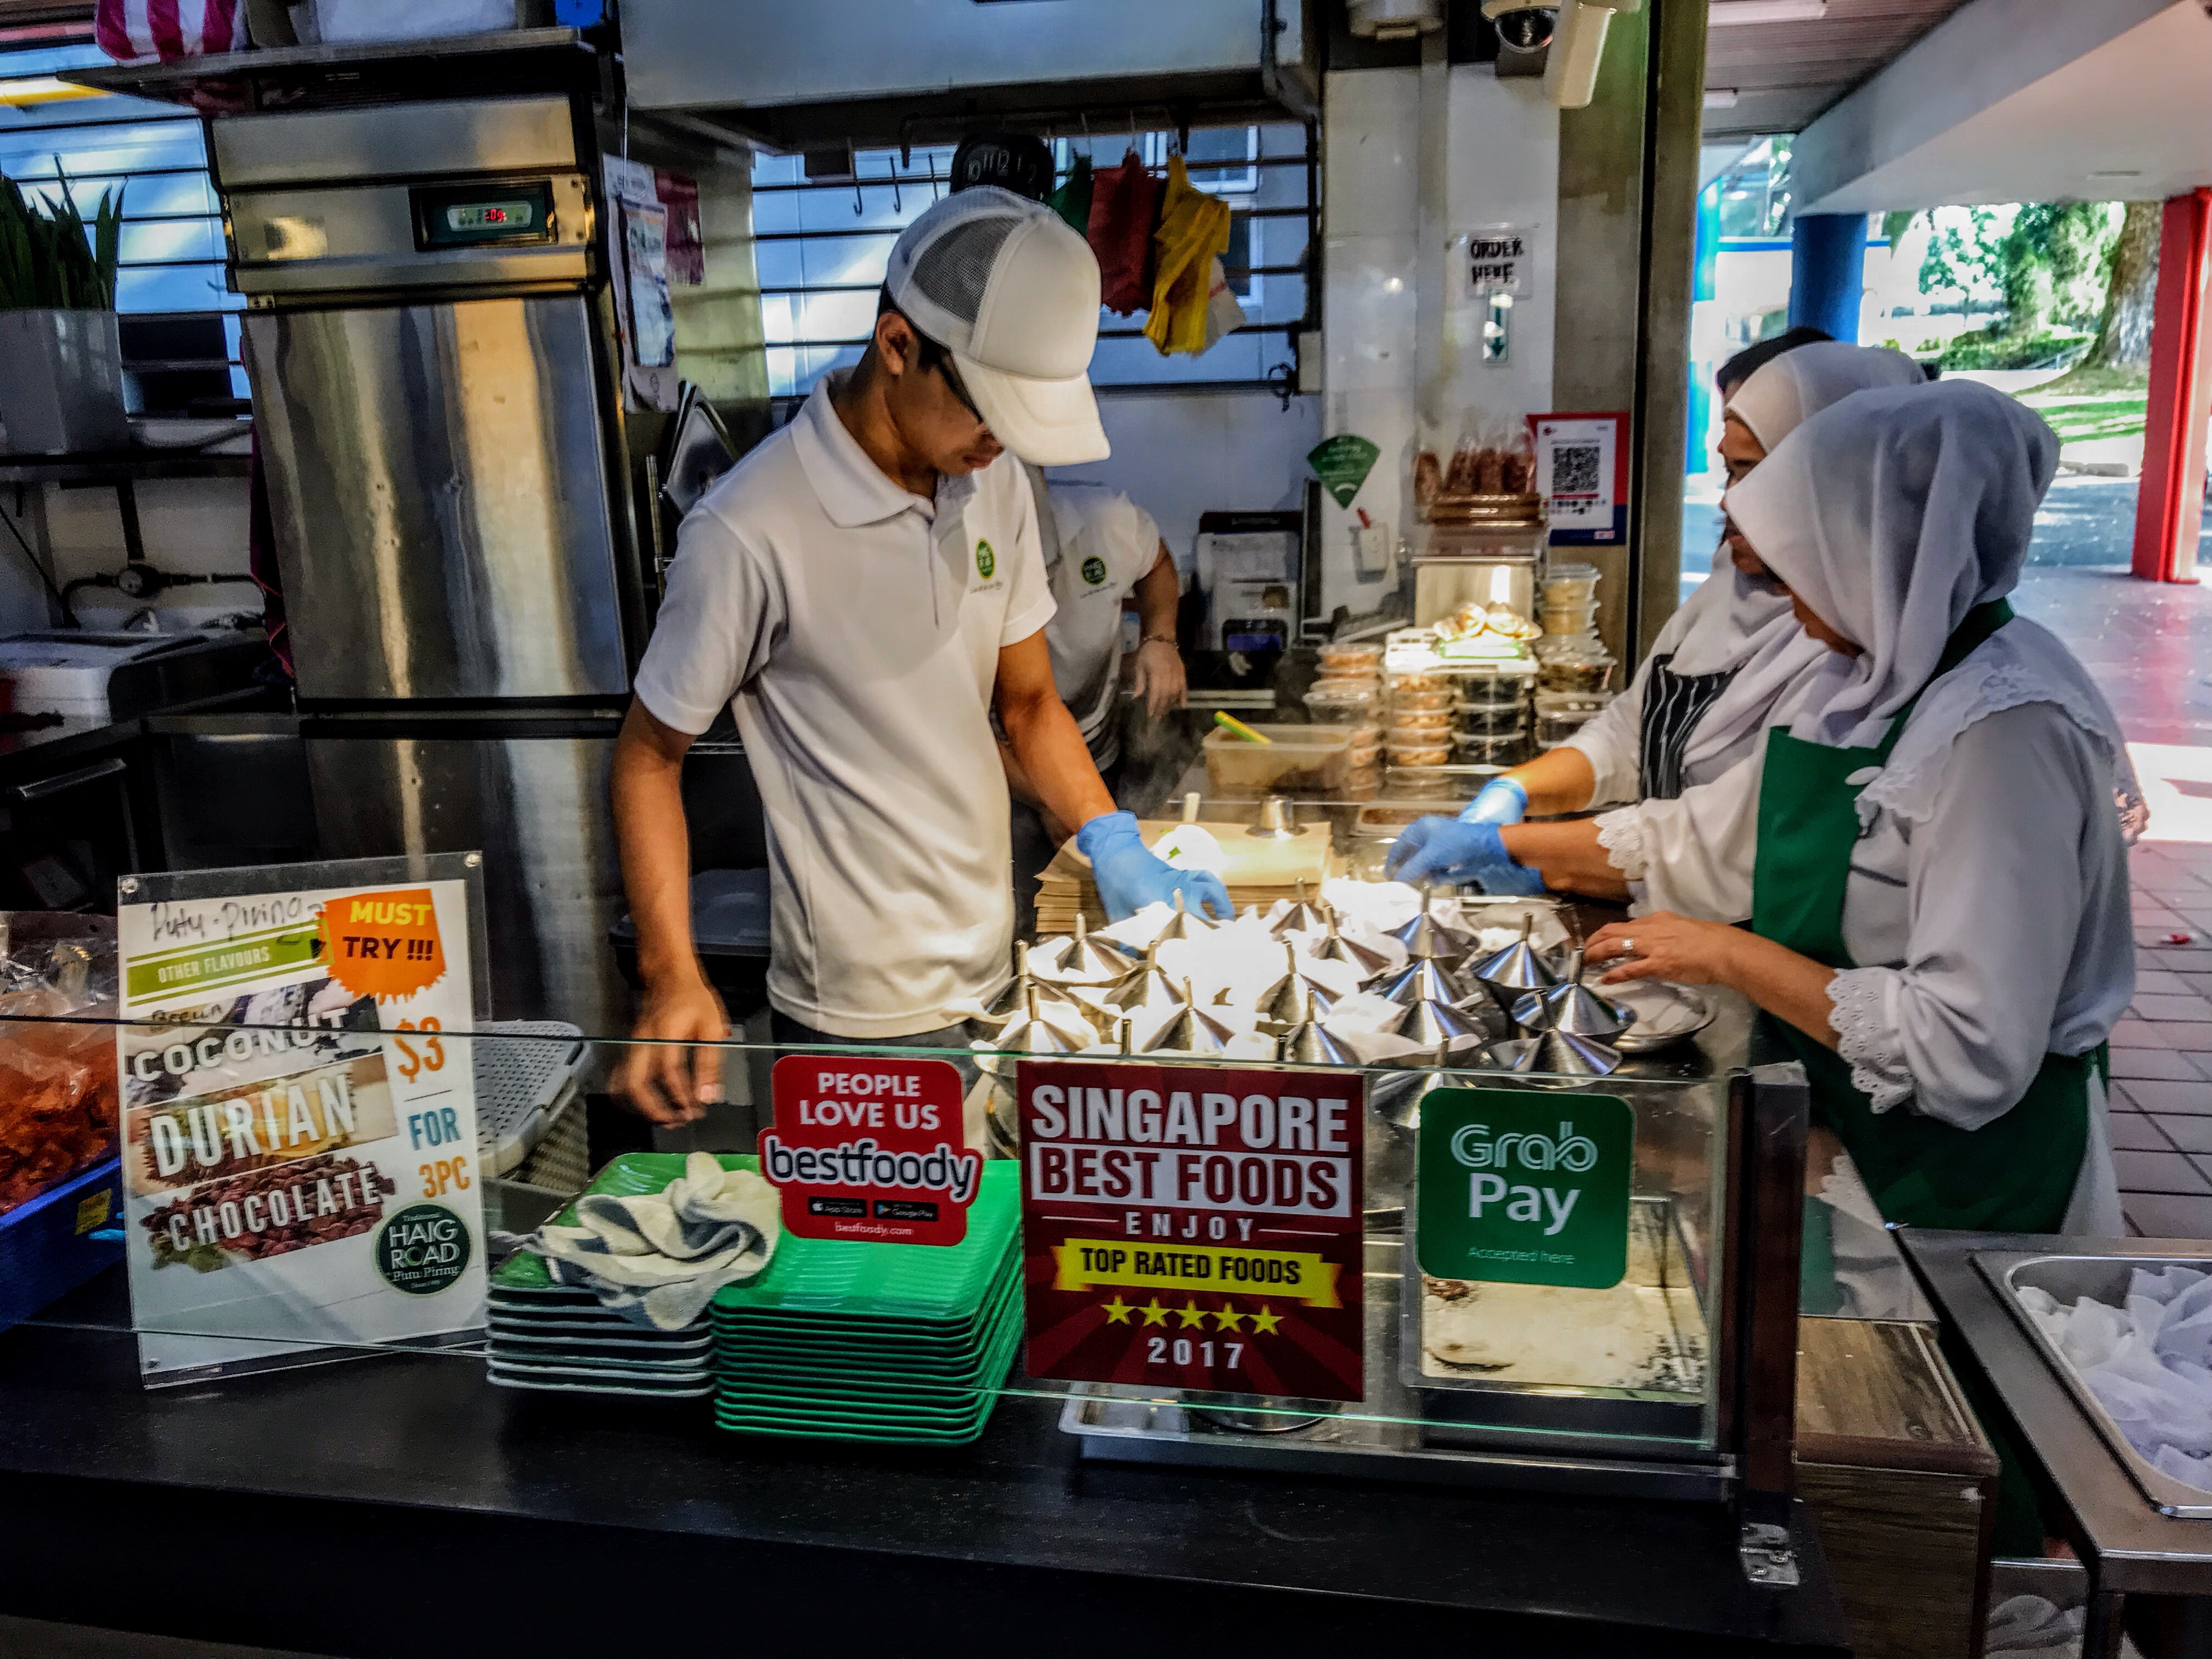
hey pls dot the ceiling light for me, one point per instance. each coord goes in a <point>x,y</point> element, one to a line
<point>1720,97</point>
<point>1727,12</point>
<point>2118,172</point>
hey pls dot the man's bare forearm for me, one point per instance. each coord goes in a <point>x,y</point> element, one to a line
<point>1048,746</point>
<point>653,844</point>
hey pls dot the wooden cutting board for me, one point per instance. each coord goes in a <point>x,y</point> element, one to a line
<point>1253,861</point>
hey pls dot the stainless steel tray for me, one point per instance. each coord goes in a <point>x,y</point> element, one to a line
<point>2102,1279</point>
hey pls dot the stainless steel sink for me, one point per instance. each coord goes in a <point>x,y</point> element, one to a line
<point>2103,1279</point>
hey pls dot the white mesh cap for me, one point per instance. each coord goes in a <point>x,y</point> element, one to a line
<point>1012,293</point>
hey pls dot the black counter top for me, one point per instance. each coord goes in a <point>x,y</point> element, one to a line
<point>401,1504</point>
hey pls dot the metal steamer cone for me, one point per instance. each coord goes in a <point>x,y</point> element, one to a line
<point>1573,1008</point>
<point>1191,1031</point>
<point>1284,1004</point>
<point>1517,967</point>
<point>1557,1053</point>
<point>1011,1004</point>
<point>1430,1024</point>
<point>1425,980</point>
<point>1398,1095</point>
<point>1039,1032</point>
<point>1364,963</point>
<point>1147,991</point>
<point>1185,923</point>
<point>1300,917</point>
<point>1307,1044</point>
<point>1083,960</point>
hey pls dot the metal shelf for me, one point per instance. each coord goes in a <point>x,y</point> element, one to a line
<point>225,81</point>
<point>122,466</point>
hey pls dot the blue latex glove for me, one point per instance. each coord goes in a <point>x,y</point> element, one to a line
<point>1438,848</point>
<point>1503,800</point>
<point>1130,876</point>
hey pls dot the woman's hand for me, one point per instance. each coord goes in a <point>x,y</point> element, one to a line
<point>1663,946</point>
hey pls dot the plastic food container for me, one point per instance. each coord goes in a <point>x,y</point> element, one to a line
<point>1568,618</point>
<point>1491,748</point>
<point>1354,659</point>
<point>1578,663</point>
<point>1471,717</point>
<point>1410,723</point>
<point>1405,680</point>
<point>1560,714</point>
<point>1404,702</point>
<point>1435,783</point>
<point>1433,750</point>
<point>1570,584</point>
<point>1342,705</point>
<point>1300,759</point>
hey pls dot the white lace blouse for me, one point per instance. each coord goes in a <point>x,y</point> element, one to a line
<point>1987,897</point>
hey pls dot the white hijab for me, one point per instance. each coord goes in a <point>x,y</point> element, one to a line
<point>1786,392</point>
<point>1892,516</point>
<point>1751,629</point>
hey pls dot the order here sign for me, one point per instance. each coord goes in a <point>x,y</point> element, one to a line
<point>1192,1227</point>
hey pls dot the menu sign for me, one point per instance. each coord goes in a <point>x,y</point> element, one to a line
<point>297,1173</point>
<point>1193,1228</point>
<point>870,1151</point>
<point>1522,1187</point>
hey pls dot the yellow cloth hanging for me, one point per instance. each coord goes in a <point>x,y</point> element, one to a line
<point>1193,231</point>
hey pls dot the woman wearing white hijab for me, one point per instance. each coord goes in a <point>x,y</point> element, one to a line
<point>1940,902</point>
<point>1727,663</point>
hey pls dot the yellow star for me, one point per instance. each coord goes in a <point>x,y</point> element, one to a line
<point>1228,1319</point>
<point>1154,1313</point>
<point>1117,1311</point>
<point>1192,1315</point>
<point>1264,1322</point>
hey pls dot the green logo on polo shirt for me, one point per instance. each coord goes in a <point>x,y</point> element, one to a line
<point>986,560</point>
<point>1094,570</point>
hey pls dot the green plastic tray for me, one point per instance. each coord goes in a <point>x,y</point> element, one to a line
<point>857,1357</point>
<point>627,1175</point>
<point>888,1398</point>
<point>878,1336</point>
<point>919,1284</point>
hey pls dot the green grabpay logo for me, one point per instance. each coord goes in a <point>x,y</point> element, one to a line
<point>986,560</point>
<point>1525,1186</point>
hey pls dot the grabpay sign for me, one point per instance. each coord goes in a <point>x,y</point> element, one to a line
<point>1525,1186</point>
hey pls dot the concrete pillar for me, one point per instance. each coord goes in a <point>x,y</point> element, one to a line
<point>1827,272</point>
<point>2170,501</point>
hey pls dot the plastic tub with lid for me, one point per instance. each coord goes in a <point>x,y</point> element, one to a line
<point>1342,704</point>
<point>1296,760</point>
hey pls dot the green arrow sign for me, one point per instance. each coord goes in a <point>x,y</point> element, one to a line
<point>1525,1186</point>
<point>1342,464</point>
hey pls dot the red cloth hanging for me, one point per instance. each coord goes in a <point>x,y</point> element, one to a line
<point>1124,211</point>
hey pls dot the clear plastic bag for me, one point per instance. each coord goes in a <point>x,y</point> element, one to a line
<point>57,1086</point>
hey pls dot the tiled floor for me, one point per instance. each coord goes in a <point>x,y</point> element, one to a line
<point>2150,647</point>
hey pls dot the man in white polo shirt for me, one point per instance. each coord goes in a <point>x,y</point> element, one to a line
<point>867,586</point>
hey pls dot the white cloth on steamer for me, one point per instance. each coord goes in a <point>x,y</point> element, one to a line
<point>657,1258</point>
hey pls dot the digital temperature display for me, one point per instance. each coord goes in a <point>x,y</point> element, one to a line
<point>488,216</point>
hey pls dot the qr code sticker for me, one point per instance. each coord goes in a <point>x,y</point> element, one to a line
<point>1574,469</point>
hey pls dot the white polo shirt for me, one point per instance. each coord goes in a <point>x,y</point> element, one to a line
<point>858,628</point>
<point>1105,544</point>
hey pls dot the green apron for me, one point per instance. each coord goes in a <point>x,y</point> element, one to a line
<point>2015,1174</point>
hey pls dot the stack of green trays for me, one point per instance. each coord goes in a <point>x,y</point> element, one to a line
<point>559,1338</point>
<point>877,1342</point>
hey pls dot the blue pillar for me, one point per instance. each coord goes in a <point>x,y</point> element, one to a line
<point>1828,271</point>
<point>1705,259</point>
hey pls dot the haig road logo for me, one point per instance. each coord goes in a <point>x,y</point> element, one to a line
<point>986,561</point>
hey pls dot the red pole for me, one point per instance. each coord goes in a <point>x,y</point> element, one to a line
<point>2169,501</point>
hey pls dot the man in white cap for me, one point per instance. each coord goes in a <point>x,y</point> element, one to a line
<point>866,587</point>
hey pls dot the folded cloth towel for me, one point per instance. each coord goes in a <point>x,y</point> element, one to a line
<point>657,1259</point>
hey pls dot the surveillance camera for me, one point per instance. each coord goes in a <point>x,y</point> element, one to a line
<point>1522,25</point>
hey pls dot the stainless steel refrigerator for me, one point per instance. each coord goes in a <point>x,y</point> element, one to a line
<point>433,370</point>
